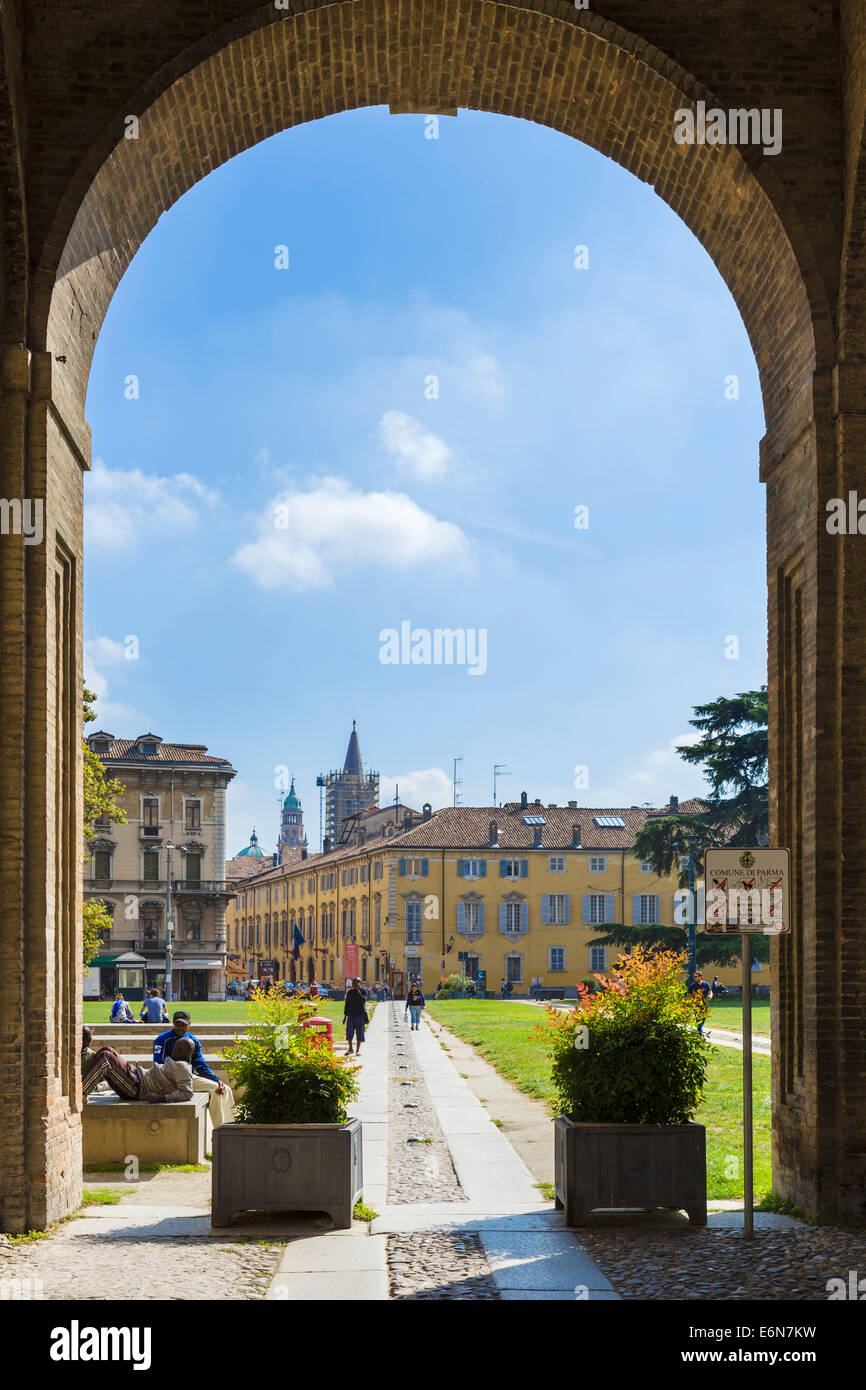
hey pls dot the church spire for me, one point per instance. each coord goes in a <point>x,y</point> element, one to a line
<point>353,763</point>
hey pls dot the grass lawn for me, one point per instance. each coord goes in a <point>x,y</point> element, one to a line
<point>214,1011</point>
<point>727,1012</point>
<point>502,1033</point>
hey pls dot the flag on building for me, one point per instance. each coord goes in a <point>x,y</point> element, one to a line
<point>297,942</point>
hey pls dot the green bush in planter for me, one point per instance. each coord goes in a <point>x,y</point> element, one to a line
<point>455,984</point>
<point>287,1076</point>
<point>631,1054</point>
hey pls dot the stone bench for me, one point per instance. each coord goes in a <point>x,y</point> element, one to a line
<point>112,1129</point>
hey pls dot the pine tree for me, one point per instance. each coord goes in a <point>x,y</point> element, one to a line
<point>732,750</point>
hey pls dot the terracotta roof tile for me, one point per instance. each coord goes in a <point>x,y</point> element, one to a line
<point>125,750</point>
<point>458,827</point>
<point>467,827</point>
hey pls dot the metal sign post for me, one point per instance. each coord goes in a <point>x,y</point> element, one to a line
<point>747,891</point>
<point>748,1137</point>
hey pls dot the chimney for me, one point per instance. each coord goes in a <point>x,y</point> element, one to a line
<point>572,805</point>
<point>407,821</point>
<point>494,835</point>
<point>674,805</point>
<point>537,801</point>
<point>362,835</point>
<point>576,837</point>
<point>426,811</point>
<point>536,836</point>
<point>326,845</point>
<point>524,801</point>
<point>303,854</point>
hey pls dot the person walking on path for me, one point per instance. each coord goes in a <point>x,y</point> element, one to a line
<point>355,1016</point>
<point>120,1011</point>
<point>701,988</point>
<point>414,1004</point>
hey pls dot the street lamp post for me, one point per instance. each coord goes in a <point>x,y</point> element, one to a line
<point>693,914</point>
<point>168,922</point>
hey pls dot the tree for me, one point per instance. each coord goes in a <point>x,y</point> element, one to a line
<point>100,800</point>
<point>732,750</point>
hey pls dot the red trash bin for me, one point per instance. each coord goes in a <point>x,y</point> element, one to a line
<point>324,1030</point>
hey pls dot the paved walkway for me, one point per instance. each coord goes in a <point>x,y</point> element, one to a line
<point>529,1252</point>
<point>498,1237</point>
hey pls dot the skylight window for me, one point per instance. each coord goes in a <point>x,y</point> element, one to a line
<point>534,820</point>
<point>610,822</point>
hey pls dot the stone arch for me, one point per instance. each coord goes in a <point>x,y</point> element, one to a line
<point>94,197</point>
<point>572,71</point>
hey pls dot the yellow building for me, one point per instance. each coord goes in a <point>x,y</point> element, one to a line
<point>517,892</point>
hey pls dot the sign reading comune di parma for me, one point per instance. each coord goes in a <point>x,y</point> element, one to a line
<point>747,890</point>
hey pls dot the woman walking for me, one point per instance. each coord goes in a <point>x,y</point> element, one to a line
<point>355,1016</point>
<point>414,1005</point>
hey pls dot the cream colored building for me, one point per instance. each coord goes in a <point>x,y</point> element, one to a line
<point>514,893</point>
<point>175,795</point>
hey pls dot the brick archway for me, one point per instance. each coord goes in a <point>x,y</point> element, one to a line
<point>600,84</point>
<point>211,83</point>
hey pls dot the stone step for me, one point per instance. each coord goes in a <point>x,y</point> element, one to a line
<point>152,1030</point>
<point>102,1038</point>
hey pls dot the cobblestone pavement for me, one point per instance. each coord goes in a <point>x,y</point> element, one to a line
<point>422,1171</point>
<point>94,1257</point>
<point>716,1263</point>
<point>440,1266</point>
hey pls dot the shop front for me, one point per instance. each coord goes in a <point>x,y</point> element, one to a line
<point>197,978</point>
<point>107,974</point>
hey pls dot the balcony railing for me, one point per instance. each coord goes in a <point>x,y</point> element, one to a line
<point>182,945</point>
<point>202,885</point>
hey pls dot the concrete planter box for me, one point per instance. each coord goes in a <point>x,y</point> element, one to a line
<point>629,1166</point>
<point>287,1168</point>
<point>112,1129</point>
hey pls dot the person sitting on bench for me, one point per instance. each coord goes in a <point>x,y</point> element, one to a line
<point>163,1083</point>
<point>164,1046</point>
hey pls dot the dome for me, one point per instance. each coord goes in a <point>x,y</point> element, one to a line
<point>252,851</point>
<point>291,802</point>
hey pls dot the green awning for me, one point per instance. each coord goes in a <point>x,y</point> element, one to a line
<point>127,960</point>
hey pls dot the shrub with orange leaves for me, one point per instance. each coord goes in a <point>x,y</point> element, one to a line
<point>630,1053</point>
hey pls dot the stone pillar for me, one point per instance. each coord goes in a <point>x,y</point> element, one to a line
<point>40,873</point>
<point>817,646</point>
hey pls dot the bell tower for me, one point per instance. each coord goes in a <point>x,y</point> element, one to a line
<point>292,837</point>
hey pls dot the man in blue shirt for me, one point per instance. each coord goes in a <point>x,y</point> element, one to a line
<point>154,1010</point>
<point>163,1046</point>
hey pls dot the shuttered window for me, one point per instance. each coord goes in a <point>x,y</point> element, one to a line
<point>645,909</point>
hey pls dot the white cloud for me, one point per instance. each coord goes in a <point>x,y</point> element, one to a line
<point>103,651</point>
<point>305,538</point>
<point>98,653</point>
<point>125,506</point>
<point>660,772</point>
<point>431,785</point>
<point>417,451</point>
<point>483,376</point>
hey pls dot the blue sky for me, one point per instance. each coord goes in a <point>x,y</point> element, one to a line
<point>289,482</point>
